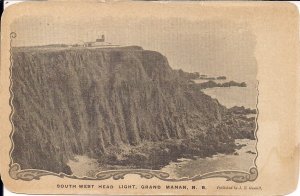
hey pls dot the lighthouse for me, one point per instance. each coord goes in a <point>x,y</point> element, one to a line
<point>102,39</point>
<point>99,43</point>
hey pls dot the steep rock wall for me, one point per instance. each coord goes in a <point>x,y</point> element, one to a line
<point>84,101</point>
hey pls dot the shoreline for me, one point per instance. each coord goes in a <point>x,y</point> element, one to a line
<point>186,168</point>
<point>86,166</point>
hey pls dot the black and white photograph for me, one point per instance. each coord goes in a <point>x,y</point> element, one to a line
<point>176,95</point>
<point>149,98</point>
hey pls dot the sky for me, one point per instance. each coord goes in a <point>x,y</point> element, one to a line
<point>209,46</point>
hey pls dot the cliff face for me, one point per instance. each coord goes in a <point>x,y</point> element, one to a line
<point>85,101</point>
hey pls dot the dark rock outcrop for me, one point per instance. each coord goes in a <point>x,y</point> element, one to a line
<point>96,101</point>
<point>221,78</point>
<point>241,110</point>
<point>213,84</point>
<point>187,75</point>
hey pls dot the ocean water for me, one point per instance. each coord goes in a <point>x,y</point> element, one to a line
<point>243,161</point>
<point>234,96</point>
<point>83,166</point>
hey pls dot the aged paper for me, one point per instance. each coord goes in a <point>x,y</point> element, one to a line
<point>178,98</point>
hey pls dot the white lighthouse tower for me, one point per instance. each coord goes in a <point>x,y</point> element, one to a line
<point>100,42</point>
<point>102,39</point>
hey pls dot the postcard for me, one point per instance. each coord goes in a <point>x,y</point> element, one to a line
<point>135,98</point>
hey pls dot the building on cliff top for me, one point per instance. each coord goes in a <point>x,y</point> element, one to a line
<point>100,42</point>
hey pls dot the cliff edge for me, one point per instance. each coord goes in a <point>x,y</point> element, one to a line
<point>100,101</point>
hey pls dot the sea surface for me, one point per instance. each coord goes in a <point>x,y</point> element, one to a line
<point>234,96</point>
<point>242,160</point>
<point>84,166</point>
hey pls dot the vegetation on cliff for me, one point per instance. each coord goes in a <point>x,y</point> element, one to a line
<point>124,106</point>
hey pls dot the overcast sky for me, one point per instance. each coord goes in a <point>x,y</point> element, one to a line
<point>210,46</point>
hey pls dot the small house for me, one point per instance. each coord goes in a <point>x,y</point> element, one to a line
<point>100,42</point>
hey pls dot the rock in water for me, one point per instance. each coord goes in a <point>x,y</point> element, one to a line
<point>85,101</point>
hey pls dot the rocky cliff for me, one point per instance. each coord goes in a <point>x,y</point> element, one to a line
<point>98,101</point>
<point>213,84</point>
